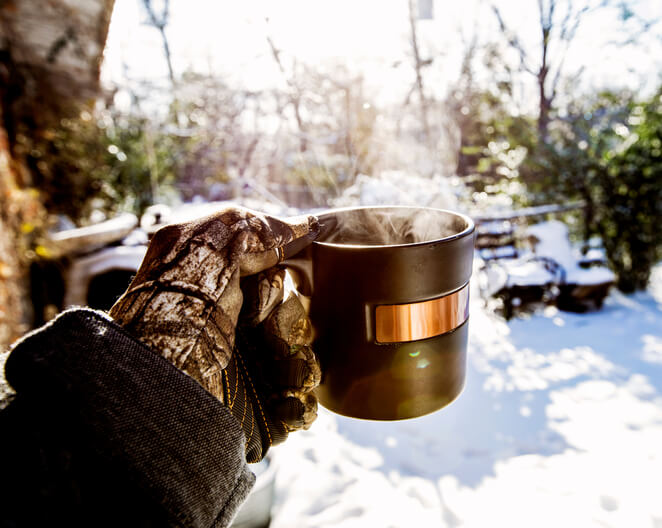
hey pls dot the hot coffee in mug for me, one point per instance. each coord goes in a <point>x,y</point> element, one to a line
<point>390,307</point>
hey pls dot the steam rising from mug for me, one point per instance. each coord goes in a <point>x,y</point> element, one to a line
<point>390,226</point>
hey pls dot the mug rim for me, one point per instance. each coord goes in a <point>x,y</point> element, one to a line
<point>465,232</point>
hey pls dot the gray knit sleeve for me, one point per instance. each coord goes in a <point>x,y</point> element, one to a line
<point>159,427</point>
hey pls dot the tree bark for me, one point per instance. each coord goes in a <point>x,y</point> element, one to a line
<point>50,57</point>
<point>11,284</point>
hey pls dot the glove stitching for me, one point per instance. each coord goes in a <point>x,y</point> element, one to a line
<point>245,407</point>
<point>236,382</point>
<point>226,389</point>
<point>243,418</point>
<point>257,399</point>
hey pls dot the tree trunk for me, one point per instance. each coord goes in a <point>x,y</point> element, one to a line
<point>418,67</point>
<point>12,290</point>
<point>50,56</point>
<point>545,105</point>
<point>545,102</point>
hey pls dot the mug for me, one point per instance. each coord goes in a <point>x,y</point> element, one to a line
<point>389,308</point>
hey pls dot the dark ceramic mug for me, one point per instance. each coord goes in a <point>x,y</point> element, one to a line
<point>389,307</point>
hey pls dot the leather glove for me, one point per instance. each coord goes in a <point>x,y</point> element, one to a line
<point>186,302</point>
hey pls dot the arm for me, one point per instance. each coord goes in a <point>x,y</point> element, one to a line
<point>149,418</point>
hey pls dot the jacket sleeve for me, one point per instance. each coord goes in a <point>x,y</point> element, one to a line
<point>103,432</point>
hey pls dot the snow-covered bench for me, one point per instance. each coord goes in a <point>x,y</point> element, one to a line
<point>521,281</point>
<point>549,272</point>
<point>578,286</point>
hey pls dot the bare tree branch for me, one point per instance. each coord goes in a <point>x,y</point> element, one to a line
<point>556,37</point>
<point>569,26</point>
<point>160,24</point>
<point>513,41</point>
<point>294,97</point>
<point>407,100</point>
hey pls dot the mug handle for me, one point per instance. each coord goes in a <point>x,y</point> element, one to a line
<point>300,265</point>
<point>300,269</point>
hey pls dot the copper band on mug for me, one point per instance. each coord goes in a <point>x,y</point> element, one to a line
<point>398,323</point>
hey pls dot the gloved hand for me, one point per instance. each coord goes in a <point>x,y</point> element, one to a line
<point>186,304</point>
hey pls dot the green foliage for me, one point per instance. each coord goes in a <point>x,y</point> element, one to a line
<point>630,196</point>
<point>101,160</point>
<point>112,160</point>
<point>607,152</point>
<point>494,146</point>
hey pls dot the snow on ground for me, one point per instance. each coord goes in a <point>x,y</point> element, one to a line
<point>560,424</point>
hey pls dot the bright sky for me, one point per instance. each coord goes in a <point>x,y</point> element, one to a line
<point>229,39</point>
